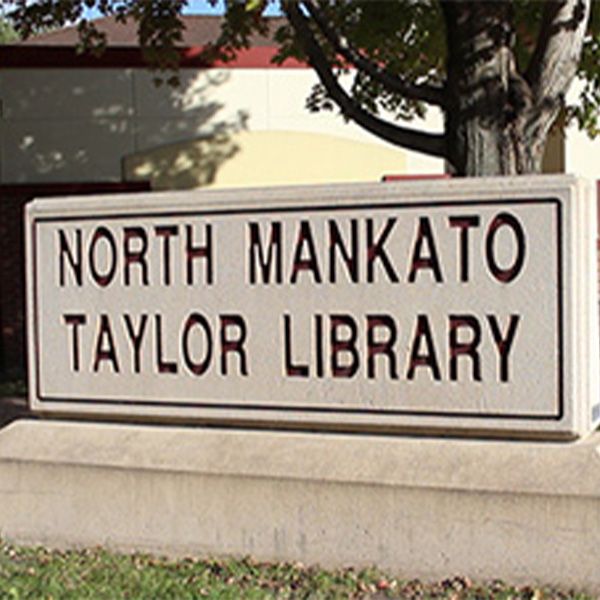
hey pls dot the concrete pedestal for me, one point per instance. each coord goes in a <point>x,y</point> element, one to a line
<point>520,511</point>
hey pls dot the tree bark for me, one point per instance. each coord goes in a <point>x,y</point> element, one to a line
<point>481,119</point>
<point>497,120</point>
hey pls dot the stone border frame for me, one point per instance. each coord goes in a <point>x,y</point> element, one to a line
<point>555,416</point>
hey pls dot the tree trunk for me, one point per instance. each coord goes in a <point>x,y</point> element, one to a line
<point>488,100</point>
<point>497,118</point>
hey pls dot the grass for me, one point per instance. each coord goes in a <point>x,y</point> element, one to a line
<point>44,574</point>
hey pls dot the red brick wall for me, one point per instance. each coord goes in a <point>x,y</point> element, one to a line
<point>12,305</point>
<point>12,265</point>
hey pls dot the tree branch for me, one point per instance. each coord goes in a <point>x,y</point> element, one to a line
<point>554,62</point>
<point>433,144</point>
<point>556,56</point>
<point>420,92</point>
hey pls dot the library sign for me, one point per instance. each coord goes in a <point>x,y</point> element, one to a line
<point>441,306</point>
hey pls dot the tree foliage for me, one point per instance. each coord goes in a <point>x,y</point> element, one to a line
<point>8,35</point>
<point>504,65</point>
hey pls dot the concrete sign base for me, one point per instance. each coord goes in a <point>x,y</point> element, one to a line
<point>520,511</point>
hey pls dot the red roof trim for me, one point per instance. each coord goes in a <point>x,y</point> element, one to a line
<point>418,177</point>
<point>65,57</point>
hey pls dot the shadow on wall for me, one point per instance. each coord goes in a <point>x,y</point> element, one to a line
<point>78,125</point>
<point>189,163</point>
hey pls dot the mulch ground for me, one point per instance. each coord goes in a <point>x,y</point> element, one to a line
<point>11,409</point>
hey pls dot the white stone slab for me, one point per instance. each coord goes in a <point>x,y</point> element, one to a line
<point>525,512</point>
<point>464,306</point>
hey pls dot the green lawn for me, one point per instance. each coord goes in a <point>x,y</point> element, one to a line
<point>44,574</point>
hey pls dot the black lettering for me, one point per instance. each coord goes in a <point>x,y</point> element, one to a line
<point>504,343</point>
<point>463,224</point>
<point>468,349</point>
<point>194,252</point>
<point>197,367</point>
<point>133,256</point>
<point>269,261</point>
<point>75,321</point>
<point>305,240</point>
<point>429,359</point>
<point>349,257</point>
<point>162,365</point>
<point>319,359</point>
<point>510,273</point>
<point>135,337</point>
<point>74,260</point>
<point>430,260</point>
<point>380,347</point>
<point>103,279</point>
<point>233,345</point>
<point>166,232</point>
<point>376,251</point>
<point>341,345</point>
<point>105,345</point>
<point>291,369</point>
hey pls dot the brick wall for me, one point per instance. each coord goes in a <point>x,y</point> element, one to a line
<point>12,264</point>
<point>12,305</point>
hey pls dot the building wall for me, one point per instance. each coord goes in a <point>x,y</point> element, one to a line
<point>235,126</point>
<point>262,158</point>
<point>582,156</point>
<point>79,124</point>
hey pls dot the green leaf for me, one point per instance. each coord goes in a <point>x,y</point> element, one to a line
<point>253,5</point>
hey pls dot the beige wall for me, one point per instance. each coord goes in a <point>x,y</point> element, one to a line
<point>77,125</point>
<point>264,158</point>
<point>221,127</point>
<point>583,154</point>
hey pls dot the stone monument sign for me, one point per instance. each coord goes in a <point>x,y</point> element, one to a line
<point>463,306</point>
